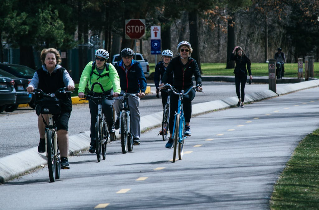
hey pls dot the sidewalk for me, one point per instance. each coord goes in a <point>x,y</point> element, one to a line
<point>17,164</point>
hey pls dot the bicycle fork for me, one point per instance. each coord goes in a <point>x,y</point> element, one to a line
<point>55,137</point>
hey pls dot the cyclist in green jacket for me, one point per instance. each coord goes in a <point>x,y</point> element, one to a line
<point>104,73</point>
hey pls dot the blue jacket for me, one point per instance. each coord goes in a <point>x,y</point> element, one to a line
<point>133,80</point>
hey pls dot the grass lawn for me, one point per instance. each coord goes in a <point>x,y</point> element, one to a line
<point>257,69</point>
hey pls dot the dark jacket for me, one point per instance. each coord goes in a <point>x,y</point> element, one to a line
<point>241,63</point>
<point>132,81</point>
<point>159,73</point>
<point>50,83</point>
<point>182,75</point>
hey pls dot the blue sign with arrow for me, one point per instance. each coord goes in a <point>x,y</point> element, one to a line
<point>155,46</point>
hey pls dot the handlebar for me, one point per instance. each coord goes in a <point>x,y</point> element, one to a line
<point>40,92</point>
<point>180,93</point>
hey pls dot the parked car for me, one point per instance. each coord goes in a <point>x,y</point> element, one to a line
<point>7,92</point>
<point>20,71</point>
<point>139,57</point>
<point>20,85</point>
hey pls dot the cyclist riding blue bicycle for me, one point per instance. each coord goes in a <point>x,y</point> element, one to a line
<point>50,78</point>
<point>180,72</point>
<point>104,73</point>
<point>132,81</point>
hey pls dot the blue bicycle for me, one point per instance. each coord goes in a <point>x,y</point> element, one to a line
<point>179,123</point>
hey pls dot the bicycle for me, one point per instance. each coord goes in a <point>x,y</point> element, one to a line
<point>49,104</point>
<point>101,131</point>
<point>124,124</point>
<point>165,120</point>
<point>179,123</point>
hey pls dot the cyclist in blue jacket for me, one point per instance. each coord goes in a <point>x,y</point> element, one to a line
<point>132,80</point>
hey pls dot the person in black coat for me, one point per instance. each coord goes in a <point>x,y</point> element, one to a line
<point>242,65</point>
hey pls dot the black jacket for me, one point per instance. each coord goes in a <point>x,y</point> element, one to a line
<point>241,63</point>
<point>182,75</point>
<point>159,73</point>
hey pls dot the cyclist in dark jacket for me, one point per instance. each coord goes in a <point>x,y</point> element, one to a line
<point>132,80</point>
<point>242,61</point>
<point>180,71</point>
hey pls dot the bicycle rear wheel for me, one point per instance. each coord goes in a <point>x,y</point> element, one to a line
<point>176,136</point>
<point>181,138</point>
<point>165,122</point>
<point>98,141</point>
<point>124,132</point>
<point>50,153</point>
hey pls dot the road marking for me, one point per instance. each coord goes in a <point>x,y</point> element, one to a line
<point>248,121</point>
<point>141,179</point>
<point>220,134</point>
<point>240,125</point>
<point>296,105</point>
<point>304,103</point>
<point>276,111</point>
<point>101,206</point>
<point>268,114</point>
<point>123,191</point>
<point>188,152</point>
<point>230,129</point>
<point>286,108</point>
<point>311,101</point>
<point>198,145</point>
<point>209,139</point>
<point>159,168</point>
<point>256,118</point>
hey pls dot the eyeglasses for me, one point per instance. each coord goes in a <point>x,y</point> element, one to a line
<point>186,50</point>
<point>99,59</point>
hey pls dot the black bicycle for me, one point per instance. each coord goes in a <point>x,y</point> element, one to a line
<point>165,120</point>
<point>102,134</point>
<point>49,105</point>
<point>124,124</point>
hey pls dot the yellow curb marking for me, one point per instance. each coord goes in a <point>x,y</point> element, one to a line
<point>230,129</point>
<point>159,168</point>
<point>209,139</point>
<point>101,206</point>
<point>304,103</point>
<point>123,191</point>
<point>141,179</point>
<point>188,152</point>
<point>220,134</point>
<point>198,145</point>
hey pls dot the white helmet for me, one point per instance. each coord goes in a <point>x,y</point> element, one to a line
<point>184,43</point>
<point>167,53</point>
<point>102,53</point>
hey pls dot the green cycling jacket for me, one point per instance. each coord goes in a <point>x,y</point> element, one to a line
<point>108,78</point>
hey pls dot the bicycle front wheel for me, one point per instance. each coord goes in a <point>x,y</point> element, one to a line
<point>105,139</point>
<point>124,132</point>
<point>97,141</point>
<point>181,137</point>
<point>57,160</point>
<point>176,136</point>
<point>165,122</point>
<point>50,153</point>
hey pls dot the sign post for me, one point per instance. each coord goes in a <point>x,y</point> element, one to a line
<point>272,74</point>
<point>155,41</point>
<point>300,68</point>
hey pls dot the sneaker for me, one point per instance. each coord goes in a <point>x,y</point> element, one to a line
<point>188,130</point>
<point>238,104</point>
<point>92,147</point>
<point>41,147</point>
<point>117,124</point>
<point>242,105</point>
<point>136,141</point>
<point>170,142</point>
<point>65,163</point>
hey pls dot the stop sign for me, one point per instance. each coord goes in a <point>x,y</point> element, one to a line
<point>134,28</point>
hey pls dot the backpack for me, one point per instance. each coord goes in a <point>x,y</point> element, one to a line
<point>102,75</point>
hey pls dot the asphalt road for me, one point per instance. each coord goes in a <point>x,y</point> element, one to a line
<point>231,161</point>
<point>18,130</point>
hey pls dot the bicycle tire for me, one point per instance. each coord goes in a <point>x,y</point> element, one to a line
<point>97,141</point>
<point>130,142</point>
<point>105,139</point>
<point>50,155</point>
<point>124,133</point>
<point>165,122</point>
<point>181,138</point>
<point>57,162</point>
<point>176,136</point>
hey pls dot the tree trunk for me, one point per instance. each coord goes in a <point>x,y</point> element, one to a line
<point>166,37</point>
<point>193,29</point>
<point>230,43</point>
<point>1,48</point>
<point>266,37</point>
<point>26,56</point>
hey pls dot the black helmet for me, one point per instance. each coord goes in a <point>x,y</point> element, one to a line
<point>127,52</point>
<point>279,49</point>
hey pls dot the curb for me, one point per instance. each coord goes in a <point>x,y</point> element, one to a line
<point>17,164</point>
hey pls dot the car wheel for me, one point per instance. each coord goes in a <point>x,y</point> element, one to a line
<point>11,108</point>
<point>2,108</point>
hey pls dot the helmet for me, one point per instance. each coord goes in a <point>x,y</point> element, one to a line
<point>102,53</point>
<point>279,49</point>
<point>167,53</point>
<point>184,43</point>
<point>127,52</point>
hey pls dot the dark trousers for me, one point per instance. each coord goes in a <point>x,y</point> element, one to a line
<point>107,109</point>
<point>240,82</point>
<point>164,95</point>
<point>187,107</point>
